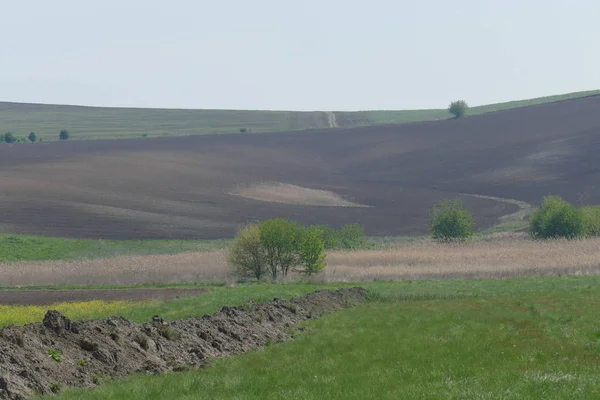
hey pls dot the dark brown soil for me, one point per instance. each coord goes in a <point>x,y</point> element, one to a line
<point>47,297</point>
<point>87,351</point>
<point>178,187</point>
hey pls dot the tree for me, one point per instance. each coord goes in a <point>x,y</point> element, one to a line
<point>458,108</point>
<point>280,239</point>
<point>32,137</point>
<point>246,254</point>
<point>64,135</point>
<point>557,219</point>
<point>9,137</point>
<point>311,251</point>
<point>450,221</point>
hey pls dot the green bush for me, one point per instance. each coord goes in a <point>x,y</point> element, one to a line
<point>32,137</point>
<point>348,237</point>
<point>591,215</point>
<point>9,138</point>
<point>458,108</point>
<point>450,221</point>
<point>64,135</point>
<point>557,219</point>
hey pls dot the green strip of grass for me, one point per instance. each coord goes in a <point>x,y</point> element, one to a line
<point>501,339</point>
<point>118,123</point>
<point>33,248</point>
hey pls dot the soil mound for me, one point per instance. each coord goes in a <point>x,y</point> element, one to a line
<point>42,358</point>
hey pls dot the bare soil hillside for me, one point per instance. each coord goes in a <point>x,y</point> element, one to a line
<point>182,187</point>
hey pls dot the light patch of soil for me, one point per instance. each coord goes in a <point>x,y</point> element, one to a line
<point>292,194</point>
<point>115,347</point>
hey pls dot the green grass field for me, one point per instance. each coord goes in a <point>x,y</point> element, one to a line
<point>532,338</point>
<point>116,123</point>
<point>35,248</point>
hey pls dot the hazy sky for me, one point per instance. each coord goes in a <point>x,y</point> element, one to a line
<point>296,55</point>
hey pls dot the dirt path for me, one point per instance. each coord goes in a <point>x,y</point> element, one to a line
<point>524,208</point>
<point>332,120</point>
<point>47,297</point>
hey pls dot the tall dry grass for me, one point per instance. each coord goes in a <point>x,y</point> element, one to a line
<point>503,255</point>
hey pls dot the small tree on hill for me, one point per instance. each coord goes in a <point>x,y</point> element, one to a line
<point>450,221</point>
<point>64,135</point>
<point>9,137</point>
<point>32,137</point>
<point>458,108</point>
<point>311,251</point>
<point>557,219</point>
<point>246,254</point>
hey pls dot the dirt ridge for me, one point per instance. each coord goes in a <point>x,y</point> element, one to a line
<point>42,358</point>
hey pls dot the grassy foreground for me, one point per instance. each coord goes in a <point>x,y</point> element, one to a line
<point>117,123</point>
<point>503,339</point>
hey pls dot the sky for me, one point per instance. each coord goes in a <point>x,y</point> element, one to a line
<point>331,55</point>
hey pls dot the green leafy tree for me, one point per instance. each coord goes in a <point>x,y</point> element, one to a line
<point>9,137</point>
<point>311,251</point>
<point>450,221</point>
<point>557,219</point>
<point>32,137</point>
<point>458,108</point>
<point>64,135</point>
<point>280,239</point>
<point>246,254</point>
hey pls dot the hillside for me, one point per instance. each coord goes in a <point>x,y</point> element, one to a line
<point>385,177</point>
<point>118,123</point>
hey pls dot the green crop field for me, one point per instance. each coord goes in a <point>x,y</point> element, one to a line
<point>503,339</point>
<point>117,123</point>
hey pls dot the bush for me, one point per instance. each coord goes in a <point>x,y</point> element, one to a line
<point>349,237</point>
<point>64,135</point>
<point>311,254</point>
<point>450,221</point>
<point>246,255</point>
<point>32,137</point>
<point>458,108</point>
<point>591,215</point>
<point>9,138</point>
<point>280,240</point>
<point>557,219</point>
<point>243,130</point>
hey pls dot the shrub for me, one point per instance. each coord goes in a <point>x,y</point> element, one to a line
<point>458,108</point>
<point>64,135</point>
<point>9,137</point>
<point>311,254</point>
<point>32,137</point>
<point>557,219</point>
<point>450,221</point>
<point>280,240</point>
<point>349,237</point>
<point>246,254</point>
<point>243,130</point>
<point>591,215</point>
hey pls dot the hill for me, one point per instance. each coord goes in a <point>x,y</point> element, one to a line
<point>118,123</point>
<point>385,177</point>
